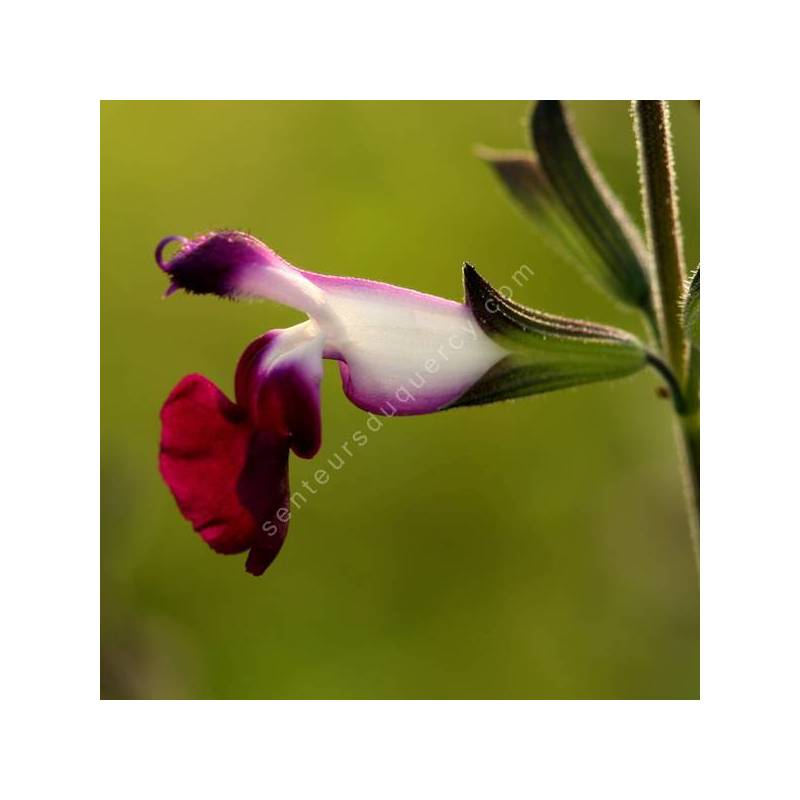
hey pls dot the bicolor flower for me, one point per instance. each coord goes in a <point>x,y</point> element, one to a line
<point>400,352</point>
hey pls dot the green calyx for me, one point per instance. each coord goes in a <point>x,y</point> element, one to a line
<point>545,352</point>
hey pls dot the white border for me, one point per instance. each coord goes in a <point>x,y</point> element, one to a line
<point>59,60</point>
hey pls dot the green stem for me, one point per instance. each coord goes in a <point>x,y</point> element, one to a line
<point>689,434</point>
<point>668,375</point>
<point>690,429</point>
<point>664,239</point>
<point>662,221</point>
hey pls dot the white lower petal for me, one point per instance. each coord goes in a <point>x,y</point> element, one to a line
<point>413,350</point>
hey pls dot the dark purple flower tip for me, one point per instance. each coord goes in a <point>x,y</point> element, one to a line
<point>215,263</point>
<point>161,246</point>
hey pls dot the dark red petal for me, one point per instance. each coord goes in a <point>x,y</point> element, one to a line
<point>248,365</point>
<point>277,380</point>
<point>299,393</point>
<point>228,479</point>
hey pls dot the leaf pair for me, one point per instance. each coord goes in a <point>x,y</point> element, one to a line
<point>566,197</point>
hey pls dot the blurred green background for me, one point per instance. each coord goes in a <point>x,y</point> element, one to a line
<point>533,549</point>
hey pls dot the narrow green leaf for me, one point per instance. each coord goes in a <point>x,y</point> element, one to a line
<point>620,264</point>
<point>545,352</point>
<point>691,309</point>
<point>691,324</point>
<point>525,180</point>
<point>522,176</point>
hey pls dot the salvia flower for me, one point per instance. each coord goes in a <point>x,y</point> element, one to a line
<point>400,352</point>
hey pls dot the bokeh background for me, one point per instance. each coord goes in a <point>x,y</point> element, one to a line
<point>533,549</point>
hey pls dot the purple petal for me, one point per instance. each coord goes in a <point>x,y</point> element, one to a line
<point>218,263</point>
<point>278,380</point>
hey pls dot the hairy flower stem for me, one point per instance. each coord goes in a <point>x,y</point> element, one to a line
<point>662,221</point>
<point>660,206</point>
